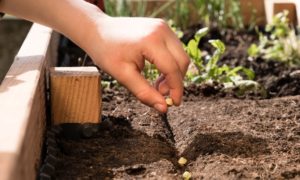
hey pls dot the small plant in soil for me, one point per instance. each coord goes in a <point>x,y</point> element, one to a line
<point>207,70</point>
<point>281,43</point>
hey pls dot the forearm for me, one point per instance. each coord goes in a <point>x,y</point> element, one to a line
<point>118,45</point>
<point>73,18</point>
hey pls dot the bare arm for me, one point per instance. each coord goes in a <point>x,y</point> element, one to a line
<point>118,45</point>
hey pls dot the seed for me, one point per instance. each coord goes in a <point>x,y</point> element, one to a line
<point>186,175</point>
<point>182,161</point>
<point>169,101</point>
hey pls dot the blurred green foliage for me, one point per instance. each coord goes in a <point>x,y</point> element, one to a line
<point>225,13</point>
<point>280,43</point>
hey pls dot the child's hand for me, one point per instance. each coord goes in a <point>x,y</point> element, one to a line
<point>117,45</point>
<point>120,47</point>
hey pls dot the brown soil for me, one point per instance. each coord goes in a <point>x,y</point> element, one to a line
<point>221,138</point>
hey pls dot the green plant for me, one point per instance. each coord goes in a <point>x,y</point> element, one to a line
<point>117,8</point>
<point>150,72</point>
<point>280,44</point>
<point>239,78</point>
<point>224,12</point>
<point>182,12</point>
<point>211,71</point>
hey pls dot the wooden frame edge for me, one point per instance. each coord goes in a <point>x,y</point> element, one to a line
<point>22,107</point>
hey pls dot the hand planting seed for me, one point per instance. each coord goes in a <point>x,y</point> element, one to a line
<point>187,175</point>
<point>182,161</point>
<point>169,101</point>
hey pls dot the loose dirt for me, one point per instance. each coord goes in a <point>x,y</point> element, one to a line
<point>221,138</point>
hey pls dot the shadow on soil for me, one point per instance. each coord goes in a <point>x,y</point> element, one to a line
<point>230,143</point>
<point>116,145</point>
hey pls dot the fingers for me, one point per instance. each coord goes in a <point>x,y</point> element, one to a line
<point>161,85</point>
<point>131,78</point>
<point>176,49</point>
<point>166,64</point>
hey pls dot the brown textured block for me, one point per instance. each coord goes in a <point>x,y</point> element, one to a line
<point>75,95</point>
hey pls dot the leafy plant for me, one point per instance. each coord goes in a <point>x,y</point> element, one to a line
<point>208,70</point>
<point>280,44</point>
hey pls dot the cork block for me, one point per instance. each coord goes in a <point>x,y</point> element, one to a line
<point>75,94</point>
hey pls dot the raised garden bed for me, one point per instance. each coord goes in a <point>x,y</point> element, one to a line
<point>23,105</point>
<point>221,135</point>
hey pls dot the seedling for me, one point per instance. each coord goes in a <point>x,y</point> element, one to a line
<point>169,101</point>
<point>182,161</point>
<point>282,44</point>
<point>209,72</point>
<point>187,175</point>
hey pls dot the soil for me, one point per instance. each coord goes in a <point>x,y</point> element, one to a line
<point>276,77</point>
<point>222,137</point>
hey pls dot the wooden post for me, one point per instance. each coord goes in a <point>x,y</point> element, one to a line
<point>75,95</point>
<point>273,6</point>
<point>247,9</point>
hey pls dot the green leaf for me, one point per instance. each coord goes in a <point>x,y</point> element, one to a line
<point>223,69</point>
<point>193,50</point>
<point>197,79</point>
<point>253,50</point>
<point>218,44</point>
<point>201,33</point>
<point>249,73</point>
<point>234,71</point>
<point>212,63</point>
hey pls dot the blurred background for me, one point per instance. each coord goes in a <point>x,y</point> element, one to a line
<point>12,33</point>
<point>240,15</point>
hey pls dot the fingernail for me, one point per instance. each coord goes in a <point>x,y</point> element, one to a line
<point>159,107</point>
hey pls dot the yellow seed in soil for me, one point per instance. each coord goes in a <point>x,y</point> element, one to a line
<point>182,161</point>
<point>169,101</point>
<point>187,175</point>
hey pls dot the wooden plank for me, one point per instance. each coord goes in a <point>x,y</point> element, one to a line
<point>271,6</point>
<point>22,107</point>
<point>247,8</point>
<point>75,95</point>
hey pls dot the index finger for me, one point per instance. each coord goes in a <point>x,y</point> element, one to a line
<point>161,57</point>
